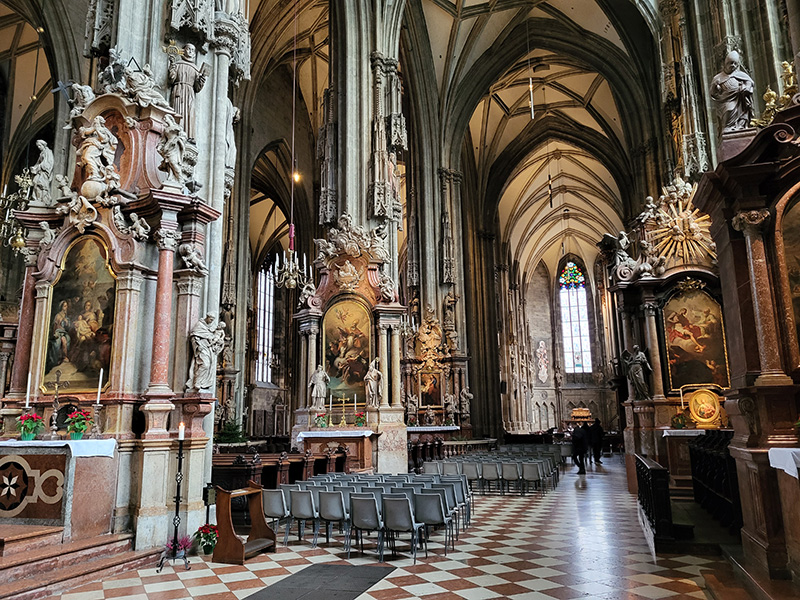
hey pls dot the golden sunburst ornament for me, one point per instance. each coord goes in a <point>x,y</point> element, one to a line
<point>679,231</point>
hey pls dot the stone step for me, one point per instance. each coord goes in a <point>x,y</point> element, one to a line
<point>22,538</point>
<point>49,584</point>
<point>59,556</point>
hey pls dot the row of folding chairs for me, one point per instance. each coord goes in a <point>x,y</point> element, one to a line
<point>502,474</point>
<point>408,508</point>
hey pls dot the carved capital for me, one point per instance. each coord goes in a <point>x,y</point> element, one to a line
<point>650,308</point>
<point>751,222</point>
<point>189,285</point>
<point>130,281</point>
<point>42,289</point>
<point>226,34</point>
<point>167,239</point>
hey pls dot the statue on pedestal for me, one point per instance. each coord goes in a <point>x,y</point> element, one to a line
<point>465,397</point>
<point>186,80</point>
<point>412,406</point>
<point>732,95</point>
<point>171,148</point>
<point>450,409</point>
<point>42,173</point>
<point>96,154</point>
<point>208,338</point>
<point>319,388</point>
<point>636,364</point>
<point>373,382</point>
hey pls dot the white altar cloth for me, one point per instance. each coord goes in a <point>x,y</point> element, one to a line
<point>433,428</point>
<point>79,448</point>
<point>684,432</point>
<point>336,433</point>
<point>785,459</point>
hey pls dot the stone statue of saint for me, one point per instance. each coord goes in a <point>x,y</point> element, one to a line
<point>208,338</point>
<point>82,96</point>
<point>48,235</point>
<point>171,148</point>
<point>637,366</point>
<point>732,94</point>
<point>412,405</point>
<point>543,362</point>
<point>319,388</point>
<point>42,173</point>
<point>430,416</point>
<point>373,382</point>
<point>143,89</point>
<point>96,155</point>
<point>450,408</point>
<point>231,118</point>
<point>466,398</point>
<point>450,301</point>
<point>186,80</point>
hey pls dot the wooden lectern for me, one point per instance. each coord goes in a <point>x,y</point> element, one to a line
<point>230,548</point>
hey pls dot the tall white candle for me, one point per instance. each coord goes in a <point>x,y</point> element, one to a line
<point>181,431</point>
<point>28,392</point>
<point>99,385</point>
<point>355,402</point>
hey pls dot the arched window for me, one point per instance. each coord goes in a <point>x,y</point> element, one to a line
<point>265,323</point>
<point>574,320</point>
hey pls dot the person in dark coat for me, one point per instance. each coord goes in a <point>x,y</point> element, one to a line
<point>579,445</point>
<point>588,451</point>
<point>596,440</point>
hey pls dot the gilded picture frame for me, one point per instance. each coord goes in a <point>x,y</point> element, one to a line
<point>347,348</point>
<point>81,313</point>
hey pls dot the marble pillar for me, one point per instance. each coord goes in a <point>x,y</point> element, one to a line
<point>22,351</point>
<point>751,223</point>
<point>397,401</point>
<point>383,354</point>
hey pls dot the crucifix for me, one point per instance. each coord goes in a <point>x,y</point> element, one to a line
<point>62,87</point>
<point>56,385</point>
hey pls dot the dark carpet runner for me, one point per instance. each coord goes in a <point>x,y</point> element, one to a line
<point>324,582</point>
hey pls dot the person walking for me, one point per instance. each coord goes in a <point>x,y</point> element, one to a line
<point>588,449</point>
<point>579,441</point>
<point>596,440</point>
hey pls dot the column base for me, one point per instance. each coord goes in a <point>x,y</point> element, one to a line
<point>392,442</point>
<point>770,379</point>
<point>156,413</point>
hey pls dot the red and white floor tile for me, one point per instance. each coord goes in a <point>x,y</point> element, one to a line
<point>580,541</point>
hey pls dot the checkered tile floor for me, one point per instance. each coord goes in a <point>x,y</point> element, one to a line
<point>580,541</point>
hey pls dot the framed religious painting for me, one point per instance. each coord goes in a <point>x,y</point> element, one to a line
<point>346,343</point>
<point>430,388</point>
<point>695,340</point>
<point>81,318</point>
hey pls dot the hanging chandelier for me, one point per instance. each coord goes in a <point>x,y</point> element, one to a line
<point>287,272</point>
<point>11,231</point>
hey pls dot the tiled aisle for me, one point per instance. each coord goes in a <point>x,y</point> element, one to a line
<point>581,541</point>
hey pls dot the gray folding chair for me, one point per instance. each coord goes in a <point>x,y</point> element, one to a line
<point>332,509</point>
<point>364,516</point>
<point>274,506</point>
<point>429,510</point>
<point>303,509</point>
<point>399,517</point>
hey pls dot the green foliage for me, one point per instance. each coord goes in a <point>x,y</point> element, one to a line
<point>231,433</point>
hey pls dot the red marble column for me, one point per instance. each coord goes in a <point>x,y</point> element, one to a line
<point>751,223</point>
<point>167,240</point>
<point>22,352</point>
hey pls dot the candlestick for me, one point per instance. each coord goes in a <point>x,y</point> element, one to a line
<point>181,431</point>
<point>99,385</point>
<point>28,392</point>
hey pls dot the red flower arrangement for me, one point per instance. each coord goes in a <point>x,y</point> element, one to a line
<point>79,421</point>
<point>206,536</point>
<point>30,424</point>
<point>360,420</point>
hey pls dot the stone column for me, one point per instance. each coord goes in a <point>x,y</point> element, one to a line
<point>397,401</point>
<point>22,351</point>
<point>313,331</point>
<point>751,223</point>
<point>159,391</point>
<point>4,356</point>
<point>383,355</point>
<point>41,322</point>
<point>651,330</point>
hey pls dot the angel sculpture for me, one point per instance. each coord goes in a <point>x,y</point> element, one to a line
<point>637,366</point>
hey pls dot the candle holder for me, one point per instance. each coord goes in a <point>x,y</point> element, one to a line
<point>176,520</point>
<point>57,384</point>
<point>96,433</point>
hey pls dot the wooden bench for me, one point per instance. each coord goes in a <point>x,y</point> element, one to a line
<point>230,548</point>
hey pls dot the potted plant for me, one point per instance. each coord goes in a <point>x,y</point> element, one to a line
<point>77,423</point>
<point>321,420</point>
<point>29,425</point>
<point>206,537</point>
<point>361,420</point>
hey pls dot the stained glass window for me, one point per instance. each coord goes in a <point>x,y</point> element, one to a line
<point>574,320</point>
